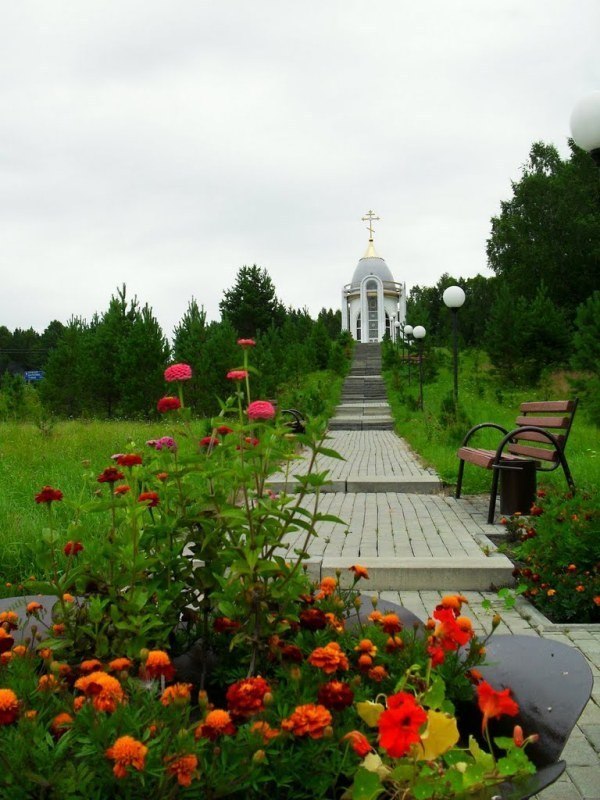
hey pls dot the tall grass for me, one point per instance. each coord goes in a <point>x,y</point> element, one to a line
<point>436,437</point>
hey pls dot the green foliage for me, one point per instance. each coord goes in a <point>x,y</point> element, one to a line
<point>559,552</point>
<point>586,339</point>
<point>251,305</point>
<point>550,229</point>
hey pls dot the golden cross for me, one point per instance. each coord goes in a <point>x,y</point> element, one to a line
<point>370,216</point>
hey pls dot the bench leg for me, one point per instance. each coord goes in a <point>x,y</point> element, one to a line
<point>493,495</point>
<point>567,471</point>
<point>459,480</point>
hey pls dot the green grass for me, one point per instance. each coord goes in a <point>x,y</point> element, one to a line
<point>483,399</point>
<point>29,460</point>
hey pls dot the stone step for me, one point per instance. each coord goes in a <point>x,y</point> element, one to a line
<point>361,424</point>
<point>423,484</point>
<point>406,574</point>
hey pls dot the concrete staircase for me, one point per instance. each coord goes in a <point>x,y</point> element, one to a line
<point>363,404</point>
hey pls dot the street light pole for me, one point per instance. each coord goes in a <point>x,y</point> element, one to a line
<point>419,333</point>
<point>408,332</point>
<point>453,298</point>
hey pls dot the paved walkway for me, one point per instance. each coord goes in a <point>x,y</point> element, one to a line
<point>420,543</point>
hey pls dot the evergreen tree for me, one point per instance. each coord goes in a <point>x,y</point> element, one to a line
<point>63,390</point>
<point>586,339</point>
<point>142,359</point>
<point>251,305</point>
<point>188,348</point>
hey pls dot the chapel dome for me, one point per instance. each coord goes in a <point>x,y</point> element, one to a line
<point>371,264</point>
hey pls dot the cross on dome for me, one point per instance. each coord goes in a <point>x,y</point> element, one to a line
<point>370,217</point>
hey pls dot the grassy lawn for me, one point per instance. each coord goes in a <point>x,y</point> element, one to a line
<point>481,399</point>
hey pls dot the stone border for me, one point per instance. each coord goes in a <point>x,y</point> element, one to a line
<point>530,613</point>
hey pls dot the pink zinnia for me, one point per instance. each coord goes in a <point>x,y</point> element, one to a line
<point>246,342</point>
<point>237,374</point>
<point>261,409</point>
<point>178,372</point>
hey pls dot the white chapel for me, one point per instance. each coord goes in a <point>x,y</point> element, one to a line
<point>373,301</point>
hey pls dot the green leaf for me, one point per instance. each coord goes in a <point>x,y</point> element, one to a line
<point>367,785</point>
<point>436,694</point>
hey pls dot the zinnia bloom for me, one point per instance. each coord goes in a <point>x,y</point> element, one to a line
<point>110,475</point>
<point>178,694</point>
<point>359,743</point>
<point>129,459</point>
<point>9,706</point>
<point>158,663</point>
<point>216,723</point>
<point>335,695</point>
<point>246,697</point>
<point>329,658</point>
<point>237,374</point>
<point>127,752</point>
<point>208,441</point>
<point>260,409</point>
<point>223,430</point>
<point>308,720</point>
<point>168,404</point>
<point>178,372</point>
<point>183,768</point>
<point>399,724</point>
<point>359,572</point>
<point>123,489</point>
<point>164,443</point>
<point>48,495</point>
<point>246,343</point>
<point>72,548</point>
<point>150,498</point>
<point>494,704</point>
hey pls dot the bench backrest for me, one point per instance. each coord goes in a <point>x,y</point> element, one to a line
<point>554,416</point>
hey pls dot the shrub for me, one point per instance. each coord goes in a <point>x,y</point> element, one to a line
<point>559,552</point>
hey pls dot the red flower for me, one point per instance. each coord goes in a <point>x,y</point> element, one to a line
<point>178,372</point>
<point>183,768</point>
<point>292,653</point>
<point>223,430</point>
<point>391,623</point>
<point>208,441</point>
<point>246,343</point>
<point>110,475</point>
<point>450,632</point>
<point>237,374</point>
<point>313,619</point>
<point>399,724</point>
<point>48,495</point>
<point>226,625</point>
<point>494,704</point>
<point>216,723</point>
<point>72,548</point>
<point>150,498</point>
<point>123,489</point>
<point>359,743</point>
<point>168,404</point>
<point>246,697</point>
<point>129,459</point>
<point>260,409</point>
<point>335,695</point>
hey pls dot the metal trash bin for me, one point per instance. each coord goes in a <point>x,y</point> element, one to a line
<point>517,486</point>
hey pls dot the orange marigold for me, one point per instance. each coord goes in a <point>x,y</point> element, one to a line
<point>334,622</point>
<point>327,587</point>
<point>359,572</point>
<point>378,674</point>
<point>366,646</point>
<point>358,742</point>
<point>391,623</point>
<point>120,664</point>
<point>48,683</point>
<point>9,620</point>
<point>106,692</point>
<point>19,650</point>
<point>453,601</point>
<point>34,607</point>
<point>216,723</point>
<point>158,664</point>
<point>183,768</point>
<point>60,724</point>
<point>308,720</point>
<point>178,694</point>
<point>9,706</point>
<point>127,752</point>
<point>265,731</point>
<point>329,658</point>
<point>91,665</point>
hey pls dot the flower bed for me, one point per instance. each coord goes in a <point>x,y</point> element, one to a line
<point>193,657</point>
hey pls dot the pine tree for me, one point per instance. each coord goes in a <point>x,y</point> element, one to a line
<point>251,305</point>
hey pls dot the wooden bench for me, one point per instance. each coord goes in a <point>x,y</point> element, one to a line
<point>540,435</point>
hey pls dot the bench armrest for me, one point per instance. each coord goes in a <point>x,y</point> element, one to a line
<point>479,427</point>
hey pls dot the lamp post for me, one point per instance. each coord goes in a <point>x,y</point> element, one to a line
<point>585,124</point>
<point>397,328</point>
<point>453,298</point>
<point>419,334</point>
<point>407,332</point>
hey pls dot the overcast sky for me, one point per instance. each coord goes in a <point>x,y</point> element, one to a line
<point>166,144</point>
